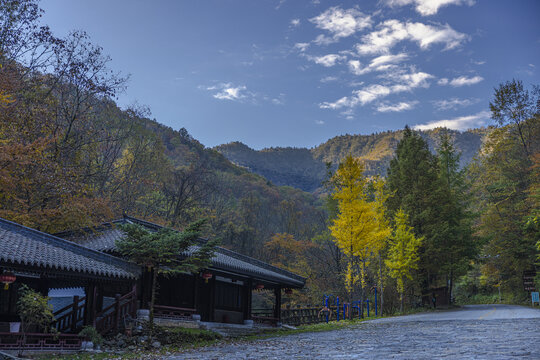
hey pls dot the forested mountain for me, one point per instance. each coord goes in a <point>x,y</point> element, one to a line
<point>70,157</point>
<point>294,167</point>
<point>306,168</point>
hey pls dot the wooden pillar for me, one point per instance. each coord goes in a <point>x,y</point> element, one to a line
<point>117,311</point>
<point>90,305</point>
<point>212,298</point>
<point>248,288</point>
<point>277,308</point>
<point>146,288</point>
<point>135,296</point>
<point>74,314</point>
<point>196,293</point>
<point>43,286</point>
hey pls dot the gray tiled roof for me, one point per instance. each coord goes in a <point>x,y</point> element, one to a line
<point>103,238</point>
<point>20,245</point>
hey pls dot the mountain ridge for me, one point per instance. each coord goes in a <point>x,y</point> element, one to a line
<point>306,168</point>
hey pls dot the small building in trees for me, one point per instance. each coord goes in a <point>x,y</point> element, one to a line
<point>106,285</point>
<point>220,293</point>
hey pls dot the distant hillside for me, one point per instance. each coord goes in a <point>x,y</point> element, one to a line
<point>294,167</point>
<point>306,168</point>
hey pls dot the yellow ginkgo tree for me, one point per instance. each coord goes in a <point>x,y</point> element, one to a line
<point>356,229</point>
<point>403,252</point>
<point>384,231</point>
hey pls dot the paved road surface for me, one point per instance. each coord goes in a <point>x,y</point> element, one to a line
<point>474,332</point>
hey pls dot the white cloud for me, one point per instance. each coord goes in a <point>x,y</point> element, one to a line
<point>428,7</point>
<point>240,93</point>
<point>295,22</point>
<point>407,82</point>
<point>402,106</point>
<point>442,81</point>
<point>381,63</point>
<point>355,67</point>
<point>454,103</point>
<point>327,60</point>
<point>281,2</point>
<point>319,122</point>
<point>460,123</point>
<point>463,80</point>
<point>323,40</point>
<point>390,32</point>
<point>229,92</point>
<point>355,83</point>
<point>400,83</point>
<point>301,46</point>
<point>341,23</point>
<point>328,79</point>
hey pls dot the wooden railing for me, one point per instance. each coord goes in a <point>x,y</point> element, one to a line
<point>110,318</point>
<point>170,312</point>
<point>31,341</point>
<point>303,316</point>
<point>313,315</point>
<point>264,316</point>
<point>268,320</point>
<point>69,317</point>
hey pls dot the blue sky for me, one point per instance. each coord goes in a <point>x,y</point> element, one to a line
<point>296,73</point>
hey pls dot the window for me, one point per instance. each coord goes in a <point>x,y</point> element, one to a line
<point>228,296</point>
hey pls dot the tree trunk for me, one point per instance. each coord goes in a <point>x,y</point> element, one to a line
<point>450,287</point>
<point>401,298</point>
<point>381,286</point>
<point>152,301</point>
<point>362,282</point>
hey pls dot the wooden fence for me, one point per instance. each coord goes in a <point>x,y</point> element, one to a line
<point>314,315</point>
<point>31,341</point>
<point>298,316</point>
<point>111,318</point>
<point>175,313</point>
<point>69,317</point>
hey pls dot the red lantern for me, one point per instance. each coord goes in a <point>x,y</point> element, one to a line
<point>7,278</point>
<point>206,276</point>
<point>259,287</point>
<point>288,291</point>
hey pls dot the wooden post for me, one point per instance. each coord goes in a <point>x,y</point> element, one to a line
<point>196,295</point>
<point>146,288</point>
<point>117,311</point>
<point>74,314</point>
<point>277,309</point>
<point>95,300</point>
<point>212,298</point>
<point>133,300</point>
<point>247,299</point>
<point>90,305</point>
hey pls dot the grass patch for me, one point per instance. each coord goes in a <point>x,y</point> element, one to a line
<point>174,340</point>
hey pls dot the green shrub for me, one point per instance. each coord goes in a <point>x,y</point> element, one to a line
<point>90,333</point>
<point>34,310</point>
<point>181,336</point>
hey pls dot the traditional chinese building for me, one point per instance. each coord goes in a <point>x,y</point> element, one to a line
<point>110,289</point>
<point>44,262</point>
<point>221,293</point>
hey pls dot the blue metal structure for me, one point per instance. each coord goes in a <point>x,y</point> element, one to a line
<point>367,303</point>
<point>337,308</point>
<point>356,304</point>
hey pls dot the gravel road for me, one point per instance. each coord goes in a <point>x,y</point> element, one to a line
<point>473,332</point>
